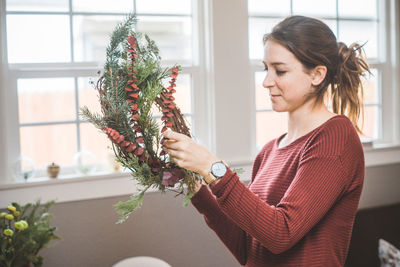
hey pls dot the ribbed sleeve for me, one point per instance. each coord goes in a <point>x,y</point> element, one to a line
<point>300,206</point>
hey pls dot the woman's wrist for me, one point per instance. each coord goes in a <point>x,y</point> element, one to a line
<point>207,166</point>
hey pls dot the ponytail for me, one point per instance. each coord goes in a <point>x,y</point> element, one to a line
<point>347,89</point>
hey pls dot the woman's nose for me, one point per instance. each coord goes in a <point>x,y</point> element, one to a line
<point>268,81</point>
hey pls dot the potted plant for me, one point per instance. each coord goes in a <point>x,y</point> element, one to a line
<point>24,231</point>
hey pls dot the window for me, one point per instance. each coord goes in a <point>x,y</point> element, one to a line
<point>54,51</point>
<point>350,23</point>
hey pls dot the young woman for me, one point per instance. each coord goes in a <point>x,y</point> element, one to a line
<point>299,207</point>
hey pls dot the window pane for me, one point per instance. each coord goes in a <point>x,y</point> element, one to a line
<point>38,38</point>
<point>370,83</point>
<point>164,7</point>
<point>263,101</point>
<point>173,35</point>
<point>92,35</point>
<point>371,122</point>
<point>35,5</point>
<point>96,142</point>
<point>326,8</point>
<point>270,125</point>
<point>41,100</point>
<point>360,32</point>
<point>123,6</point>
<point>88,95</point>
<point>50,143</point>
<point>257,28</point>
<point>358,8</point>
<point>269,7</point>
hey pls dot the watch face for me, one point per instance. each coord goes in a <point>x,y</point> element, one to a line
<point>218,169</point>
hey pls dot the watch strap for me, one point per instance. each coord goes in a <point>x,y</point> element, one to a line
<point>210,179</point>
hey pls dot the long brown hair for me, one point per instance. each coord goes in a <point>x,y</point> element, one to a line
<point>313,43</point>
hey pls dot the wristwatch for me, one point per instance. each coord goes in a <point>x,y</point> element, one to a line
<point>217,171</point>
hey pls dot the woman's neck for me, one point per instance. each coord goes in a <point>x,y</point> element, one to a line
<point>304,120</point>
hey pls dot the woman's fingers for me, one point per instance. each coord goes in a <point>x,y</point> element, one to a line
<point>174,135</point>
<point>171,144</point>
<point>176,154</point>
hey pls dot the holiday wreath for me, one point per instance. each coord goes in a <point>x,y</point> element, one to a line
<point>131,84</point>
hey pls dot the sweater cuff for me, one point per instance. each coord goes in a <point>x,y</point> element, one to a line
<point>227,182</point>
<point>203,199</point>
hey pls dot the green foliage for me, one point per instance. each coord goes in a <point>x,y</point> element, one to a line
<point>238,170</point>
<point>25,243</point>
<point>126,208</point>
<point>188,197</point>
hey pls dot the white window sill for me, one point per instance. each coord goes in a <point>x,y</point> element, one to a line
<point>75,188</point>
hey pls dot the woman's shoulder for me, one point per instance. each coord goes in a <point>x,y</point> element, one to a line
<point>334,136</point>
<point>266,148</point>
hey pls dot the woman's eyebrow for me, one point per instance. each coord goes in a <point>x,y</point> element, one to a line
<point>275,63</point>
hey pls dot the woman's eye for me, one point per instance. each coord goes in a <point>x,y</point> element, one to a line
<point>280,72</point>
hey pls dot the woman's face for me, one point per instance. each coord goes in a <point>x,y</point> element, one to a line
<point>285,79</point>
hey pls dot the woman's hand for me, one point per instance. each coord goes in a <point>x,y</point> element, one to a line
<point>188,154</point>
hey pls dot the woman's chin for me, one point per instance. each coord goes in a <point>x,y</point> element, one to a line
<point>278,109</point>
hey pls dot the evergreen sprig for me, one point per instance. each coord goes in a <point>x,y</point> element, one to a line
<point>131,84</point>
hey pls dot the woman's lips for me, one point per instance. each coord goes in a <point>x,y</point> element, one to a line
<point>275,96</point>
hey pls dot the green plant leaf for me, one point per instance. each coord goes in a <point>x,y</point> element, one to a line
<point>188,197</point>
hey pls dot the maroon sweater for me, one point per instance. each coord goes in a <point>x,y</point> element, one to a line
<point>299,207</point>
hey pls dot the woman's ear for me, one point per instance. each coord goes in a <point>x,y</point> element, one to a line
<point>318,75</point>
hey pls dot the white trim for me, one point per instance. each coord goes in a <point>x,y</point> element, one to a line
<point>203,88</point>
<point>3,94</point>
<point>395,61</point>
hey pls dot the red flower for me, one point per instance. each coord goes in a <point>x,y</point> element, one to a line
<point>135,117</point>
<point>125,144</point>
<point>172,176</point>
<point>139,139</point>
<point>134,86</point>
<point>120,139</point>
<point>132,41</point>
<point>139,151</point>
<point>131,148</point>
<point>134,106</point>
<point>134,95</point>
